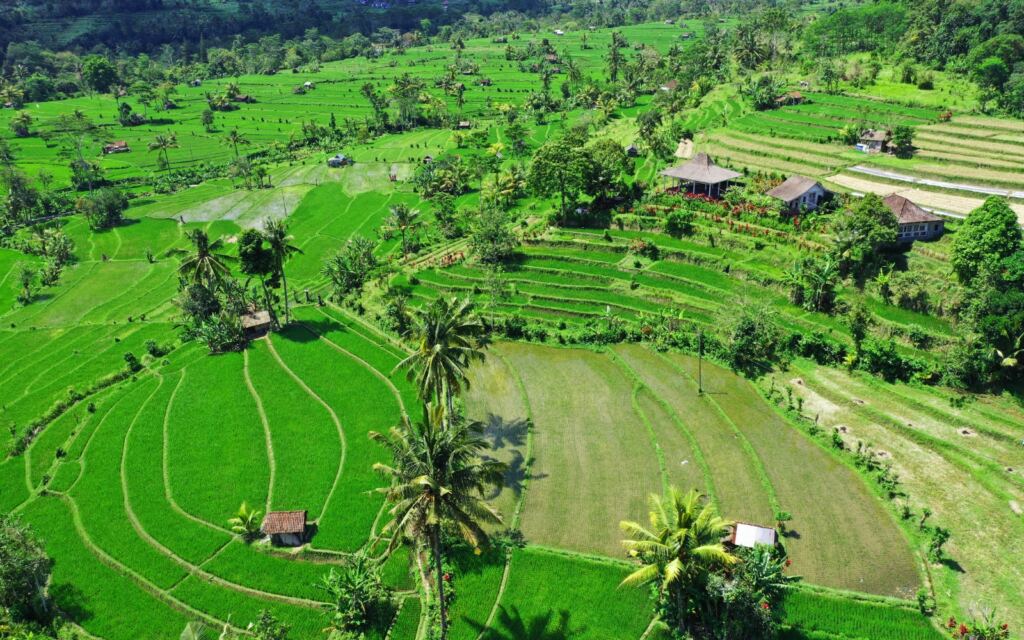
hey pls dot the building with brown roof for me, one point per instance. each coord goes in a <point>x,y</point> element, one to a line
<point>800,193</point>
<point>915,223</point>
<point>285,528</point>
<point>873,140</point>
<point>255,323</point>
<point>790,97</point>
<point>116,147</point>
<point>702,175</point>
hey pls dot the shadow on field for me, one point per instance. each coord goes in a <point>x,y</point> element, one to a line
<point>307,331</point>
<point>501,434</point>
<point>511,625</point>
<point>71,602</point>
<point>952,564</point>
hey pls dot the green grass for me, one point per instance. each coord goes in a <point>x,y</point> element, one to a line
<point>475,584</point>
<point>554,595</point>
<point>98,492</point>
<point>93,594</point>
<point>213,422</point>
<point>347,519</point>
<point>591,470</point>
<point>808,612</point>
<point>304,475</point>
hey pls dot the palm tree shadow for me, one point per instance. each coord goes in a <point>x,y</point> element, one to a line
<point>503,433</point>
<point>515,476</point>
<point>511,625</point>
<point>512,434</point>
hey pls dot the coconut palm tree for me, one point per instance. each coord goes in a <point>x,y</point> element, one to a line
<point>204,265</point>
<point>449,336</point>
<point>276,233</point>
<point>438,476</point>
<point>678,550</point>
<point>21,124</point>
<point>235,138</point>
<point>404,220</point>
<point>161,144</point>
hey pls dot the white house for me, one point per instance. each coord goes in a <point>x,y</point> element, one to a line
<point>915,223</point>
<point>800,193</point>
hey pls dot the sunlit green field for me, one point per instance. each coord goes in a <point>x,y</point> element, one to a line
<point>132,486</point>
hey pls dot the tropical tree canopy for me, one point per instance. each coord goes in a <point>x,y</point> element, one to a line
<point>449,336</point>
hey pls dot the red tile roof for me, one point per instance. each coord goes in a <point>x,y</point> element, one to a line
<point>284,522</point>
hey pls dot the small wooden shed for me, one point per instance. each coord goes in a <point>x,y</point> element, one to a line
<point>116,147</point>
<point>285,528</point>
<point>873,141</point>
<point>256,323</point>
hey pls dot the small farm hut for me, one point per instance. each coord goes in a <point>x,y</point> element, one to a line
<point>255,323</point>
<point>632,151</point>
<point>120,146</point>
<point>339,160</point>
<point>744,534</point>
<point>464,124</point>
<point>702,176</point>
<point>800,192</point>
<point>915,223</point>
<point>873,141</point>
<point>285,528</point>
<point>790,97</point>
<point>670,86</point>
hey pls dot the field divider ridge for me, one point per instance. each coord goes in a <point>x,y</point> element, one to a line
<point>698,454</point>
<point>518,510</point>
<point>168,493</point>
<point>755,459</point>
<point>334,419</point>
<point>271,460</point>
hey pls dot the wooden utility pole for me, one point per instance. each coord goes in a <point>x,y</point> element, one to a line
<point>700,361</point>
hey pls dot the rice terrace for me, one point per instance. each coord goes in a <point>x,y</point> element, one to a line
<point>512,320</point>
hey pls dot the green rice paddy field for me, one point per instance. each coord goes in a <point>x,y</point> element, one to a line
<point>132,487</point>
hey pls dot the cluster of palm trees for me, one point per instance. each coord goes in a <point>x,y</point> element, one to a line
<point>439,474</point>
<point>206,264</point>
<point>682,552</point>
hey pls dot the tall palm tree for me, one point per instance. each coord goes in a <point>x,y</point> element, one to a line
<point>404,220</point>
<point>572,69</point>
<point>162,143</point>
<point>204,265</point>
<point>438,475</point>
<point>679,550</point>
<point>235,138</point>
<point>21,124</point>
<point>276,233</point>
<point>449,336</point>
